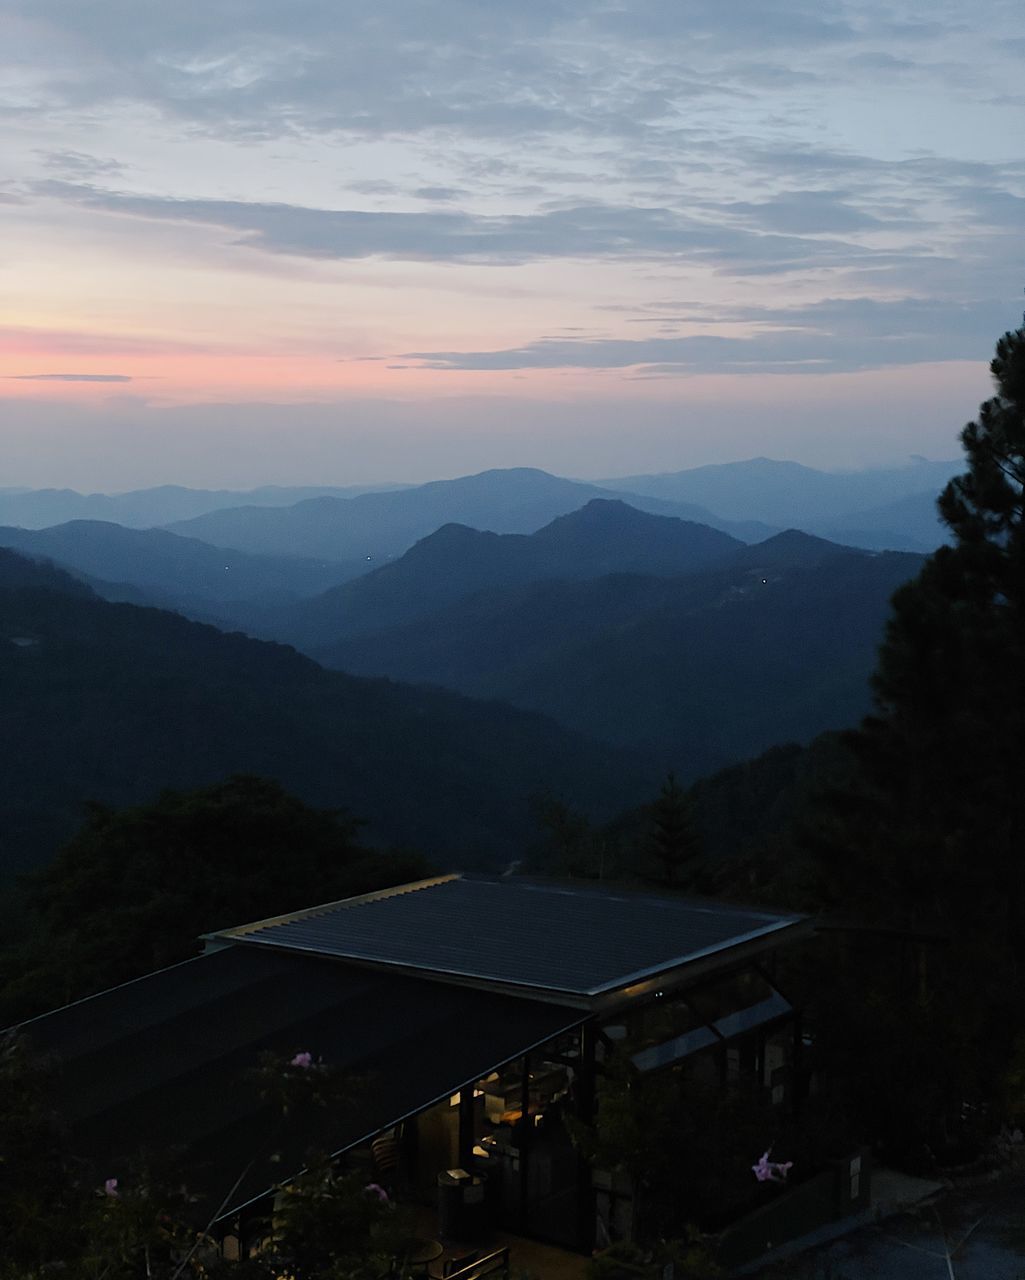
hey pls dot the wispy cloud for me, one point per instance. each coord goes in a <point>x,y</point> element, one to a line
<point>834,336</point>
<point>644,186</point>
<point>487,70</point>
<point>80,164</point>
<point>69,377</point>
<point>577,231</point>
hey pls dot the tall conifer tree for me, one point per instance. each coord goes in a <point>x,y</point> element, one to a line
<point>928,843</point>
<point>947,749</point>
<point>673,845</point>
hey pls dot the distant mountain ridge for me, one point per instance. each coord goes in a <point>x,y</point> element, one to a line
<point>376,527</point>
<point>829,503</point>
<point>878,508</point>
<point>146,508</point>
<point>173,571</point>
<point>604,536</point>
<point>909,523</point>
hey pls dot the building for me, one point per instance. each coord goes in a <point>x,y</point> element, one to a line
<point>477,1013</point>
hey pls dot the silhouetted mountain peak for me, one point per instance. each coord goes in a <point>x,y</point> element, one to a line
<point>453,533</point>
<point>505,481</point>
<point>791,549</point>
<point>612,526</point>
<point>797,539</point>
<point>451,540</point>
<point>603,513</point>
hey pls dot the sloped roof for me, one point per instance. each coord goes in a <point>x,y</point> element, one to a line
<point>163,1062</point>
<point>543,936</point>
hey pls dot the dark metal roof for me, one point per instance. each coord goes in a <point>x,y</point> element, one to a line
<point>162,1062</point>
<point>545,936</point>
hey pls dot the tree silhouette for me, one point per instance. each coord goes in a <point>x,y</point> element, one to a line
<point>928,843</point>
<point>134,888</point>
<point>672,844</point>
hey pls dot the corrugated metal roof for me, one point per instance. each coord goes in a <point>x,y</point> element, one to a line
<point>162,1062</point>
<point>545,936</point>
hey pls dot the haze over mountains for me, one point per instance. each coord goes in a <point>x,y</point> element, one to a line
<point>379,526</point>
<point>884,505</point>
<point>750,500</point>
<point>144,508</point>
<point>358,528</point>
<point>605,536</point>
<point>761,645</point>
<point>623,636</point>
<point>152,566</point>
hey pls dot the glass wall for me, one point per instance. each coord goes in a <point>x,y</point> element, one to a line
<point>726,1015</point>
<point>509,1132</point>
<point>523,1145</point>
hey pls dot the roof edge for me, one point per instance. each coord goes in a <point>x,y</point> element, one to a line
<point>717,948</point>
<point>238,933</point>
<point>572,1023</point>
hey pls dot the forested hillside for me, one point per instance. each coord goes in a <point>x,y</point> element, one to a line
<point>175,572</point>
<point>700,671</point>
<point>114,702</point>
<point>604,536</point>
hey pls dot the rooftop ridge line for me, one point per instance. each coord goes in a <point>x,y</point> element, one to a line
<point>239,932</point>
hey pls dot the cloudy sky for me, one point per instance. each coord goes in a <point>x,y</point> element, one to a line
<point>251,241</point>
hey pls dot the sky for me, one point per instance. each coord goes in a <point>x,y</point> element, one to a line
<point>316,241</point>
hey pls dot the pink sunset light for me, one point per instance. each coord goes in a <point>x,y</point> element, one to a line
<point>698,236</point>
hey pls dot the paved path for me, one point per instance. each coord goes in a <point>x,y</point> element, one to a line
<point>974,1235</point>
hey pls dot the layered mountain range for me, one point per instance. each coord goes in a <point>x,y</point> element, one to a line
<point>375,527</point>
<point>734,649</point>
<point>885,508</point>
<point>573,643</point>
<point>605,536</point>
<point>890,508</point>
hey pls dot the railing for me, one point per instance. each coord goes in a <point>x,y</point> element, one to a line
<point>839,1191</point>
<point>493,1266</point>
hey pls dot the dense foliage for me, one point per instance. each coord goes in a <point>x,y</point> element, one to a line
<point>904,836</point>
<point>924,844</point>
<point>733,834</point>
<point>59,1215</point>
<point>134,889</point>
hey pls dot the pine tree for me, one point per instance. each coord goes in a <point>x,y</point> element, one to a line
<point>929,840</point>
<point>673,844</point>
<point>950,687</point>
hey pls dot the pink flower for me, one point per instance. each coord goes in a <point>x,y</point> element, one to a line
<point>377,1190</point>
<point>110,1188</point>
<point>304,1060</point>
<point>767,1170</point>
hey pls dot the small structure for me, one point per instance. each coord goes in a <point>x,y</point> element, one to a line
<point>477,1010</point>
